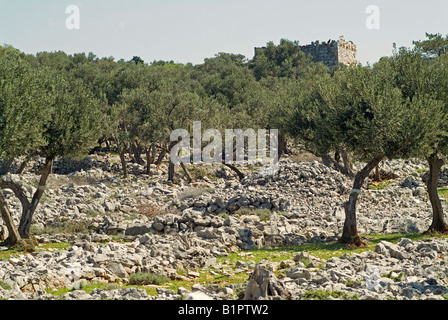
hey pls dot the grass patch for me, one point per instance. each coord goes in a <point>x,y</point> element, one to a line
<point>325,295</point>
<point>322,250</point>
<point>231,274</point>
<point>263,214</point>
<point>91,213</point>
<point>64,227</point>
<point>197,172</point>
<point>374,185</point>
<point>5,286</point>
<point>273,255</point>
<point>396,278</point>
<point>26,245</point>
<point>15,252</point>
<point>87,287</point>
<point>54,246</point>
<point>353,283</point>
<point>191,193</point>
<point>207,278</point>
<point>443,192</point>
<point>145,278</point>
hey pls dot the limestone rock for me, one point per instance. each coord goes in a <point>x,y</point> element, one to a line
<point>264,285</point>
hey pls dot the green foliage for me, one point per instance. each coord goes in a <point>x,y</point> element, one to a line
<point>325,295</point>
<point>66,227</point>
<point>5,286</point>
<point>75,120</point>
<point>379,111</point>
<point>284,60</point>
<point>137,60</point>
<point>379,186</point>
<point>25,245</point>
<point>443,192</point>
<point>396,278</point>
<point>353,283</point>
<point>59,105</point>
<point>423,83</point>
<point>435,45</point>
<point>43,110</point>
<point>145,278</point>
<point>226,78</point>
<point>23,105</point>
<point>263,214</point>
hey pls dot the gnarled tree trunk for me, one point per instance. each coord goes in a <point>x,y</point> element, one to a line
<point>150,157</point>
<point>236,170</point>
<point>14,236</point>
<point>377,173</point>
<point>27,215</point>
<point>350,231</point>
<point>160,157</point>
<point>148,161</point>
<point>28,208</point>
<point>282,145</point>
<point>123,162</point>
<point>346,169</point>
<point>187,174</point>
<point>170,171</point>
<point>170,163</point>
<point>136,153</point>
<point>23,165</point>
<point>438,222</point>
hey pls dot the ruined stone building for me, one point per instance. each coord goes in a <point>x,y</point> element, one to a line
<point>332,52</point>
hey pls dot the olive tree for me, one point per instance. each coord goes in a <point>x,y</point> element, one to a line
<point>423,72</point>
<point>362,110</point>
<point>42,112</point>
<point>23,109</point>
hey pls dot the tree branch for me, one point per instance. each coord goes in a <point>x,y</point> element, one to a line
<point>18,190</point>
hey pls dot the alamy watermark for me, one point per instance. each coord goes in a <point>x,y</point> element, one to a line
<point>234,151</point>
<point>373,18</point>
<point>73,21</point>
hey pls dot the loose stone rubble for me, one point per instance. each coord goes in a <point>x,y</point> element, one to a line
<point>164,227</point>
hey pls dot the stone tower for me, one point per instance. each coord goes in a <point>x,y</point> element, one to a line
<point>332,52</point>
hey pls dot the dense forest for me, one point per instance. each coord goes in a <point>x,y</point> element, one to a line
<point>57,105</point>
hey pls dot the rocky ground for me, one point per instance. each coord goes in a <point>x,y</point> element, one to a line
<point>115,228</point>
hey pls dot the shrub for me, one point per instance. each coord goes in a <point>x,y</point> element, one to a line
<point>396,278</point>
<point>264,214</point>
<point>324,295</point>
<point>5,286</point>
<point>145,278</point>
<point>66,227</point>
<point>191,193</point>
<point>25,245</point>
<point>151,210</point>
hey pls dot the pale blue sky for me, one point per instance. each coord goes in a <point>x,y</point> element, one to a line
<point>191,30</point>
